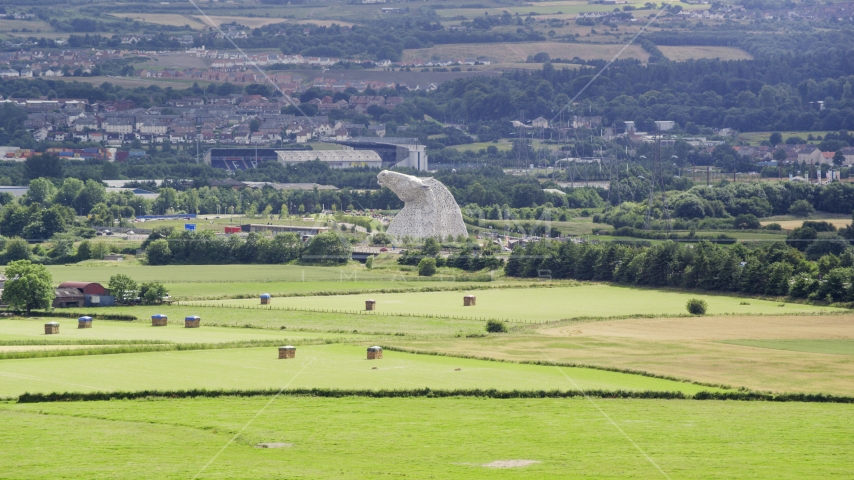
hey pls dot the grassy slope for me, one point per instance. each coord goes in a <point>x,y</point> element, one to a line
<point>541,304</point>
<point>326,366</point>
<point>423,438</point>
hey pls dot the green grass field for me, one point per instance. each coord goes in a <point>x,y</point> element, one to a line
<point>171,274</point>
<point>833,346</point>
<point>107,330</point>
<point>312,321</point>
<point>542,304</point>
<point>218,281</point>
<point>755,138</point>
<point>318,366</point>
<point>425,438</point>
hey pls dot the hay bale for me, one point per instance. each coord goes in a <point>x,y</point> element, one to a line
<point>192,321</point>
<point>51,328</point>
<point>84,322</point>
<point>265,298</point>
<point>469,301</point>
<point>370,305</point>
<point>287,351</point>
<point>159,320</point>
<point>375,353</point>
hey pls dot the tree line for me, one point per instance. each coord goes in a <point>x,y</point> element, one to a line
<point>204,247</point>
<point>777,269</point>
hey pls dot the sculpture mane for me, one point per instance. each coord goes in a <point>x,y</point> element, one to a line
<point>429,208</point>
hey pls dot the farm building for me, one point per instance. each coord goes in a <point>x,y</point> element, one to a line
<point>68,297</point>
<point>94,294</point>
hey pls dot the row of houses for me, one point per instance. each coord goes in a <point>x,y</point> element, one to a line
<point>237,119</point>
<point>804,153</point>
<point>38,63</point>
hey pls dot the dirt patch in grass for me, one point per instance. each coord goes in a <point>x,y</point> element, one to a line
<point>510,463</point>
<point>714,328</point>
<point>274,445</point>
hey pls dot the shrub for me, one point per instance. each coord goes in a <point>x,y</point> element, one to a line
<point>427,267</point>
<point>495,326</point>
<point>801,208</point>
<point>369,263</point>
<point>381,239</point>
<point>697,306</point>
<point>746,221</point>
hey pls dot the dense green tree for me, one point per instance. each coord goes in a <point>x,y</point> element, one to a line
<point>427,267</point>
<point>123,288</point>
<point>152,293</point>
<point>28,286</point>
<point>17,249</point>
<point>327,248</point>
<point>158,253</point>
<point>45,165</point>
<point>801,208</point>
<point>41,191</point>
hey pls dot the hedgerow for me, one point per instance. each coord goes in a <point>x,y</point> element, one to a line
<point>430,393</point>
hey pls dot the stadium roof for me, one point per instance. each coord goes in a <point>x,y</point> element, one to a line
<point>289,156</point>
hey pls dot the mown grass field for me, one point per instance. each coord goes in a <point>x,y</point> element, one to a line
<point>542,304</point>
<point>15,330</point>
<point>316,366</point>
<point>755,138</point>
<point>423,438</point>
<point>311,321</point>
<point>170,274</point>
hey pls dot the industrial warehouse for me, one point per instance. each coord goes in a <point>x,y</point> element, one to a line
<point>371,152</point>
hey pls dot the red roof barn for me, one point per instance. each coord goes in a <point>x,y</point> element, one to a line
<point>86,288</point>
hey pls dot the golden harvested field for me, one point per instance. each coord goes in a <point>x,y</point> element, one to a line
<point>171,19</point>
<point>728,327</point>
<point>679,54</point>
<point>8,25</point>
<point>255,22</point>
<point>690,348</point>
<point>198,22</point>
<point>569,7</point>
<point>792,224</point>
<point>519,52</point>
